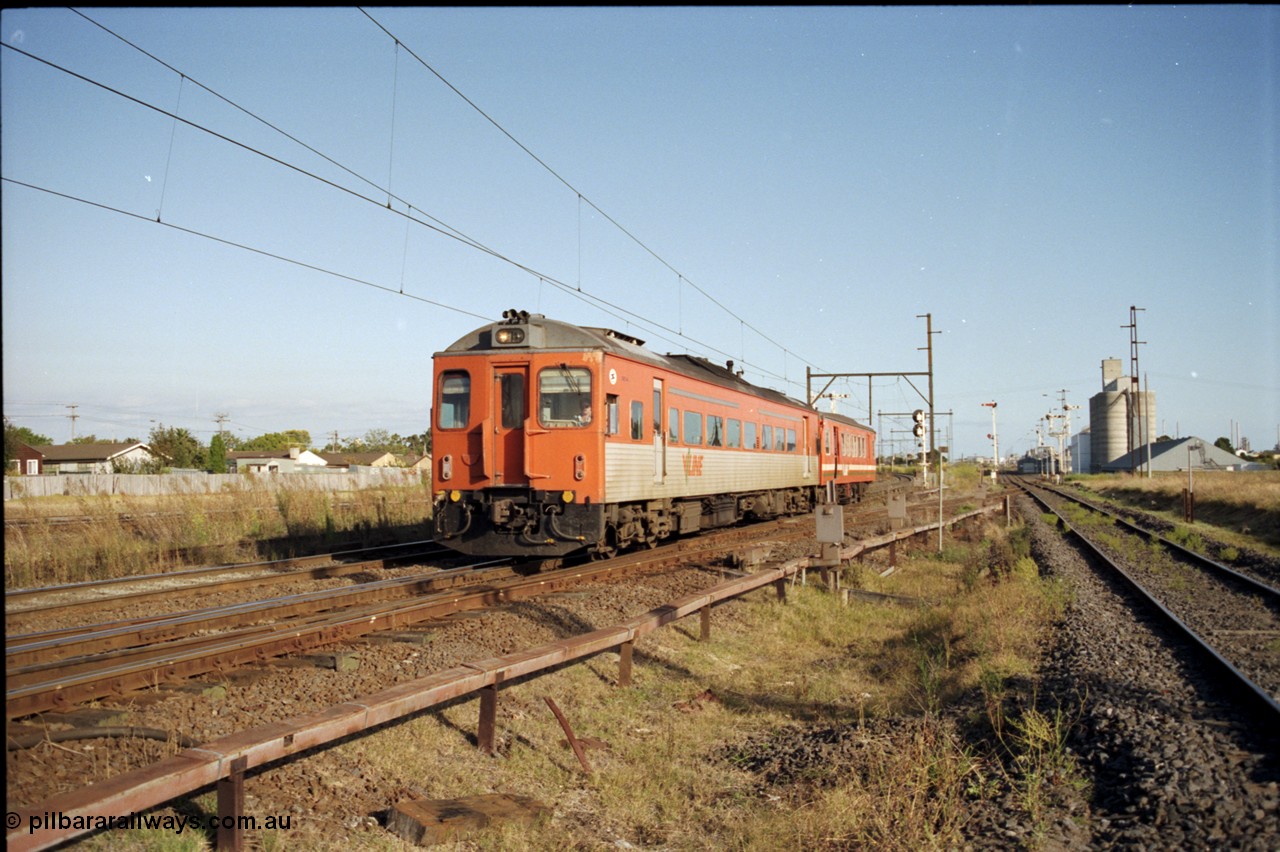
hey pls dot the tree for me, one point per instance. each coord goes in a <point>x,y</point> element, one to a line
<point>86,439</point>
<point>380,440</point>
<point>217,454</point>
<point>15,435</point>
<point>1225,444</point>
<point>419,443</point>
<point>177,446</point>
<point>299,438</point>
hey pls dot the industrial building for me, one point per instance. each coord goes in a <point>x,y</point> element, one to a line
<point>1121,418</point>
<point>1180,454</point>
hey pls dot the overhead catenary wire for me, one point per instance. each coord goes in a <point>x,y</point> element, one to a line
<point>427,220</point>
<point>575,190</point>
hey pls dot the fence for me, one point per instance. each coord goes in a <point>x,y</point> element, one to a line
<point>206,483</point>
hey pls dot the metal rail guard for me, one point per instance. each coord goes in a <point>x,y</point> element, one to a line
<point>225,761</point>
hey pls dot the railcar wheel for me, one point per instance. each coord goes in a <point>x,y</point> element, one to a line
<point>607,547</point>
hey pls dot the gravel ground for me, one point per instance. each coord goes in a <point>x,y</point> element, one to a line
<point>1171,764</point>
<point>1161,762</point>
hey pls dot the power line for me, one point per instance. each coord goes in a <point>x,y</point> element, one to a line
<point>581,197</point>
<point>443,229</point>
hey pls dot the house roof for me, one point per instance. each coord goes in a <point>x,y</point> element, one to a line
<point>86,452</point>
<point>1173,455</point>
<point>354,458</point>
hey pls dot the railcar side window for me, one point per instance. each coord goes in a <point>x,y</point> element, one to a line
<point>564,397</point>
<point>715,431</point>
<point>455,400</point>
<point>673,425</point>
<point>791,440</point>
<point>733,435</point>
<point>637,420</point>
<point>779,439</point>
<point>749,436</point>
<point>826,441</point>
<point>766,437</point>
<point>692,427</point>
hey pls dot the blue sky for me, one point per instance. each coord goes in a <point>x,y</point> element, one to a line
<point>783,187</point>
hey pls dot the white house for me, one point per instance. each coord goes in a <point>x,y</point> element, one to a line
<point>81,458</point>
<point>292,460</point>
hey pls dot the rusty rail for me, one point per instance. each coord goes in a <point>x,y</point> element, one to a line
<point>226,760</point>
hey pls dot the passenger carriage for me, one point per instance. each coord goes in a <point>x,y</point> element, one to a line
<point>549,438</point>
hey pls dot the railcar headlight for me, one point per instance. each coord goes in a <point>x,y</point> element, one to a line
<point>510,336</point>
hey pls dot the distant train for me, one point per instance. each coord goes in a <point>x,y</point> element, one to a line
<point>550,438</point>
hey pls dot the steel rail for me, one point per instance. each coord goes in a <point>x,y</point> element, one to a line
<point>48,646</point>
<point>233,755</point>
<point>1252,583</point>
<point>188,658</point>
<point>1261,699</point>
<point>36,681</point>
<point>274,571</point>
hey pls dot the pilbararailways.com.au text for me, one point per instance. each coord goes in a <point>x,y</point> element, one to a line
<point>57,820</point>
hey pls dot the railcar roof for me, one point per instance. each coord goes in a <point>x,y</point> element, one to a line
<point>563,336</point>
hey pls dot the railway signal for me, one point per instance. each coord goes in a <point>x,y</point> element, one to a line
<point>995,443</point>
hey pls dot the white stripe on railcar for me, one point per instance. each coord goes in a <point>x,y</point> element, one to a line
<point>628,472</point>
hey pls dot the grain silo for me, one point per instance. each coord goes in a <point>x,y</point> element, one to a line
<point>1114,428</point>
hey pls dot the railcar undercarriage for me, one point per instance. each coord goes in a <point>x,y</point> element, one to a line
<point>529,524</point>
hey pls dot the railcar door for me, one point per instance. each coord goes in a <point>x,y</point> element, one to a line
<point>510,394</point>
<point>659,439</point>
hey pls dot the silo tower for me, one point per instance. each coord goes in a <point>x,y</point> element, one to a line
<point>1118,415</point>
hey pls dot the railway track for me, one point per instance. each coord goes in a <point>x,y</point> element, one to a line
<point>283,732</point>
<point>54,670</point>
<point>20,604</point>
<point>1231,618</point>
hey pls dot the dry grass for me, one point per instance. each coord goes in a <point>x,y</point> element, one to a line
<point>687,742</point>
<point>1240,508</point>
<point>771,674</point>
<point>166,532</point>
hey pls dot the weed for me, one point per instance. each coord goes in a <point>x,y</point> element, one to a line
<point>119,536</point>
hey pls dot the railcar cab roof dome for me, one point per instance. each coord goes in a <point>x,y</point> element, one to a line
<point>543,333</point>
